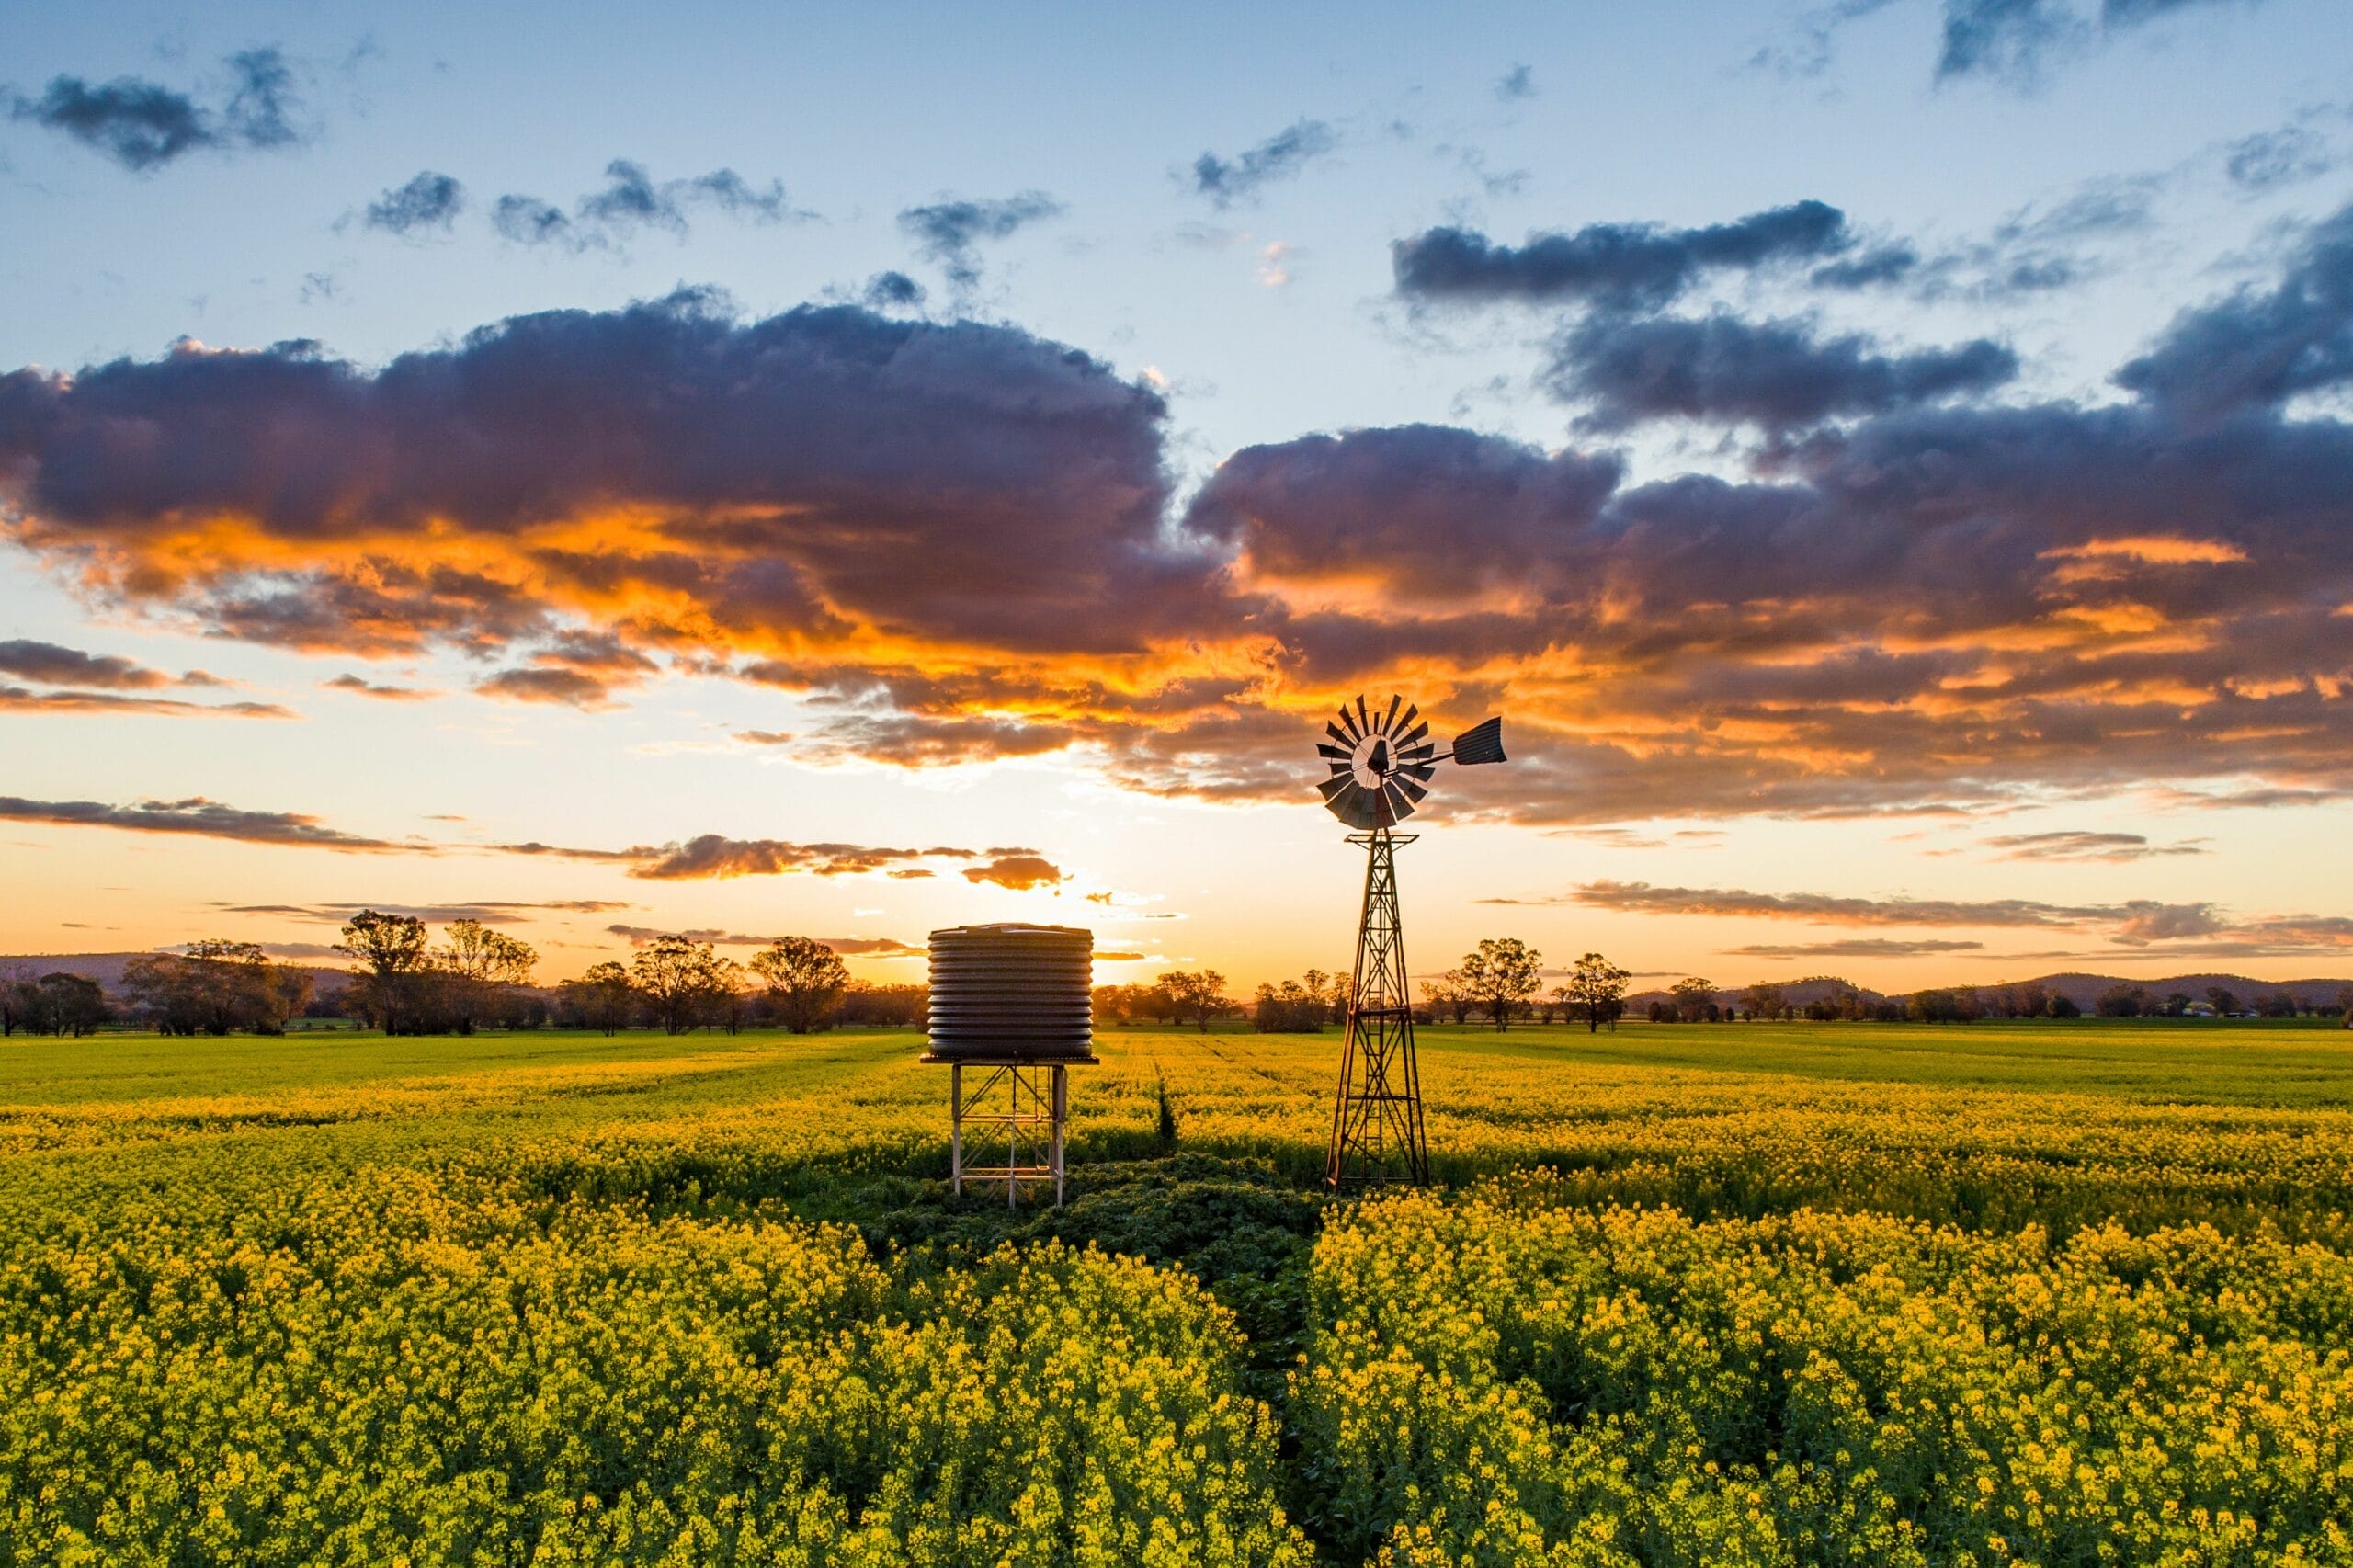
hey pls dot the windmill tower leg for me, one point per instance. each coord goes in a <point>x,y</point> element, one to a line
<point>1377,1112</point>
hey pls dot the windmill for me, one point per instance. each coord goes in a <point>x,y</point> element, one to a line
<point>1381,764</point>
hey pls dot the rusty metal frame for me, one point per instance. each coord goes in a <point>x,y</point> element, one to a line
<point>1377,1133</point>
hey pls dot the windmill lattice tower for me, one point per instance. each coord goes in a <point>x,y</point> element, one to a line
<point>1381,765</point>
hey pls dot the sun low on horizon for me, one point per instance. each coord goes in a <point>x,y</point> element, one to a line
<point>743,472</point>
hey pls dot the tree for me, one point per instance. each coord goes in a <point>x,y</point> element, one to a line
<point>2122,1000</point>
<point>1763,1001</point>
<point>1596,988</point>
<point>603,995</point>
<point>1500,973</point>
<point>76,1003</point>
<point>1295,1008</point>
<point>725,986</point>
<point>393,946</point>
<point>214,987</point>
<point>670,973</point>
<point>1693,998</point>
<point>2225,1000</point>
<point>480,964</point>
<point>1197,991</point>
<point>805,978</point>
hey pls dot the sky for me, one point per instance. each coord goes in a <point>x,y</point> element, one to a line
<point>849,470</point>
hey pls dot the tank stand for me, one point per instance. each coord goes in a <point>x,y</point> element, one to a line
<point>1019,1106</point>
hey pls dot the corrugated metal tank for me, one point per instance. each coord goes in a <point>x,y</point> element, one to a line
<point>1012,993</point>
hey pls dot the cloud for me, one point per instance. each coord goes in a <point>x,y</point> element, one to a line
<point>951,231</point>
<point>826,483</point>
<point>951,543</point>
<point>426,202</point>
<point>489,912</point>
<point>2007,39</point>
<point>1518,82</point>
<point>633,200</point>
<point>1855,948</point>
<point>2258,347</point>
<point>195,816</point>
<point>2110,848</point>
<point>1281,156</point>
<point>55,666</point>
<point>2011,41</point>
<point>1777,374</point>
<point>891,291</point>
<point>1616,265</point>
<point>719,936</point>
<point>566,687</point>
<point>2270,160</point>
<point>382,692</point>
<point>1642,898</point>
<point>712,856</point>
<point>1017,870</point>
<point>144,125</point>
<point>18,700</point>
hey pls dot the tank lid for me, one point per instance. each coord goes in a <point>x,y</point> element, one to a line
<point>1012,927</point>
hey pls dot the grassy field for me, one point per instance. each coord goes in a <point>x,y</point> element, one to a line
<point>2047,1292</point>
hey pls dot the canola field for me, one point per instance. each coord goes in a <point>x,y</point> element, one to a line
<point>2041,1293</point>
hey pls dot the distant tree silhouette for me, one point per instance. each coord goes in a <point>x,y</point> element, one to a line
<point>805,978</point>
<point>392,948</point>
<point>605,996</point>
<point>1197,991</point>
<point>1596,988</point>
<point>1502,973</point>
<point>1694,998</point>
<point>672,973</point>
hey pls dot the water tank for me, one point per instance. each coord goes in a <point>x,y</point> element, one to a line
<point>1012,993</point>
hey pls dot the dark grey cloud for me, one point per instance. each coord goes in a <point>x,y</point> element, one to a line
<point>1617,266</point>
<point>1389,505</point>
<point>2258,347</point>
<point>144,125</point>
<point>1880,265</point>
<point>1777,375</point>
<point>631,201</point>
<point>891,290</point>
<point>2271,159</point>
<point>426,202</point>
<point>808,476</point>
<point>2008,40</point>
<point>951,231</point>
<point>2012,41</point>
<point>1285,154</point>
<point>55,666</point>
<point>195,816</point>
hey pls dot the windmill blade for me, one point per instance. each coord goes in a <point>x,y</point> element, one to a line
<point>1330,788</point>
<point>1422,773</point>
<point>1339,737</point>
<point>1348,722</point>
<point>1388,722</point>
<point>1414,734</point>
<point>1400,808</point>
<point>1421,753</point>
<point>1356,805</point>
<point>1412,787</point>
<point>1362,716</point>
<point>1338,754</point>
<point>1481,743</point>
